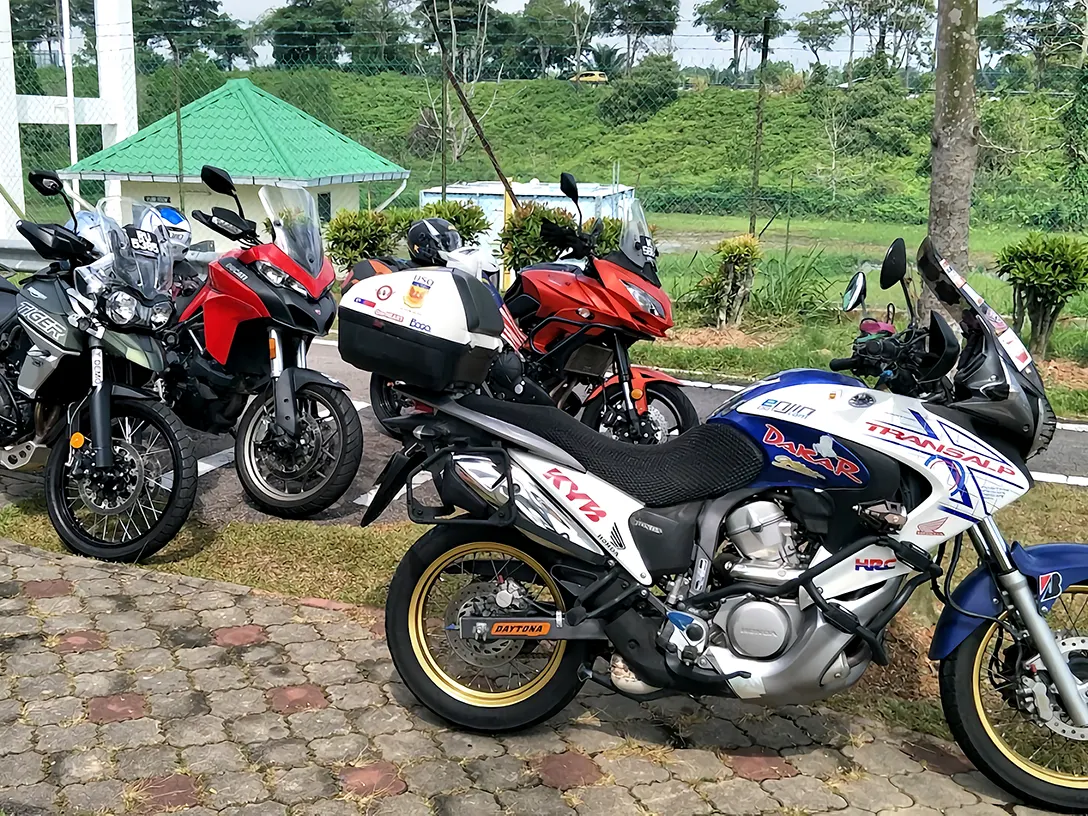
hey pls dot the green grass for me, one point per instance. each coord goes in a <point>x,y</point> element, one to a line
<point>299,559</point>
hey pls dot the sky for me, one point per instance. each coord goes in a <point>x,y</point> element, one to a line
<point>694,45</point>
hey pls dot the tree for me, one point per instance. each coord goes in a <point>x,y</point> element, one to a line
<point>1041,28</point>
<point>547,30</point>
<point>991,39</point>
<point>818,30</point>
<point>740,19</point>
<point>187,26</point>
<point>635,21</point>
<point>308,32</point>
<point>896,27</point>
<point>955,130</point>
<point>378,30</point>
<point>852,13</point>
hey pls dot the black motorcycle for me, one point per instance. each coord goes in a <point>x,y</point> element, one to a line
<point>121,474</point>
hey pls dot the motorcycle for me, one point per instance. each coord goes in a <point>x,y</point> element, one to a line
<point>244,331</point>
<point>580,316</point>
<point>121,473</point>
<point>759,556</point>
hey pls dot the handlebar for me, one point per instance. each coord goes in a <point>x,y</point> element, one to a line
<point>843,363</point>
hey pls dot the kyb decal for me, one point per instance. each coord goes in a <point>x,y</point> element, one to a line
<point>822,455</point>
<point>927,445</point>
<point>874,564</point>
<point>589,508</point>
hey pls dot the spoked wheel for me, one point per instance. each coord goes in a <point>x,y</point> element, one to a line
<point>1008,718</point>
<point>295,478</point>
<point>387,404</point>
<point>133,509</point>
<point>490,685</point>
<point>669,413</point>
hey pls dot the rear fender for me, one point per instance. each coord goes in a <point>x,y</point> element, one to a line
<point>1051,568</point>
<point>640,376</point>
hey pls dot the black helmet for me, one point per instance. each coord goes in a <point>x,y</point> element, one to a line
<point>430,238</point>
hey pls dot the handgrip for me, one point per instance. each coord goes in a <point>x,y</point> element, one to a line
<point>842,363</point>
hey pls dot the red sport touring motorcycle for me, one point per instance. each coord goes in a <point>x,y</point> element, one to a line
<point>579,324</point>
<point>245,333</point>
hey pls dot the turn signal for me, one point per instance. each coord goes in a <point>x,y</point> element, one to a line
<point>636,393</point>
<point>77,440</point>
<point>271,348</point>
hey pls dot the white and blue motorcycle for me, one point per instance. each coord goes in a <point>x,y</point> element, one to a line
<point>759,556</point>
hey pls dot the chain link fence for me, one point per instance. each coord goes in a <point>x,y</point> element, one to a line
<point>837,145</point>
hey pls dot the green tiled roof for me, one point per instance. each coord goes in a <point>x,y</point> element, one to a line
<point>256,137</point>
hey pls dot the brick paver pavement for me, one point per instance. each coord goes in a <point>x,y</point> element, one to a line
<point>128,691</point>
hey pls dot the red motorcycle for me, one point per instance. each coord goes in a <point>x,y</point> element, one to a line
<point>244,332</point>
<point>579,322</point>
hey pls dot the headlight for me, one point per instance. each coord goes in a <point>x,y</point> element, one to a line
<point>161,313</point>
<point>295,286</point>
<point>645,300</point>
<point>272,274</point>
<point>121,308</point>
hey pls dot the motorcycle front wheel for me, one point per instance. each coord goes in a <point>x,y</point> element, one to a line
<point>669,414</point>
<point>298,478</point>
<point>988,701</point>
<point>135,508</point>
<point>489,686</point>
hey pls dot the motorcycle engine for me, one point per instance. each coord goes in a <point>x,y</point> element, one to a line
<point>761,545</point>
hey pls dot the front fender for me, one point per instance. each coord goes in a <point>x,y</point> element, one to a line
<point>287,386</point>
<point>640,375</point>
<point>1052,568</point>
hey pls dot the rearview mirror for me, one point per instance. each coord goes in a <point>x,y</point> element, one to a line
<point>46,182</point>
<point>894,267</point>
<point>569,186</point>
<point>854,295</point>
<point>218,181</point>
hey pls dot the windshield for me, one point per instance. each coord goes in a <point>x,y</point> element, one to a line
<point>1015,384</point>
<point>135,235</point>
<point>292,213</point>
<point>637,242</point>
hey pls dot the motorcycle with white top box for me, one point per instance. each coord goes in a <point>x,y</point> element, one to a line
<point>761,555</point>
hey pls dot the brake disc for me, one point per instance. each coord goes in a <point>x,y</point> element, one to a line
<point>1048,708</point>
<point>473,600</point>
<point>120,493</point>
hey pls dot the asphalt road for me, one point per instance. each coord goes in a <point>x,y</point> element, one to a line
<point>221,499</point>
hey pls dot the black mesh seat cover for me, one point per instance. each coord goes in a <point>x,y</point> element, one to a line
<point>705,462</point>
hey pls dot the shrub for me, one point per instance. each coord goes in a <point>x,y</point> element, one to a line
<point>353,235</point>
<point>636,98</point>
<point>520,236</point>
<point>609,241</point>
<point>722,295</point>
<point>400,218</point>
<point>791,286</point>
<point>469,219</point>
<point>1045,272</point>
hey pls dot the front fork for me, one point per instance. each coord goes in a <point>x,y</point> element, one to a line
<point>283,388</point>
<point>101,394</point>
<point>623,375</point>
<point>988,539</point>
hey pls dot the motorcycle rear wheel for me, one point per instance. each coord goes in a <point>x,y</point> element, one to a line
<point>1025,758</point>
<point>479,687</point>
<point>334,420</point>
<point>150,436</point>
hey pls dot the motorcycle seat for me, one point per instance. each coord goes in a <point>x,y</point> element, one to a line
<point>703,463</point>
<point>8,287</point>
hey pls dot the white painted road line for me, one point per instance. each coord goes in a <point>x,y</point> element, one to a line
<point>215,461</point>
<point>360,405</point>
<point>321,342</point>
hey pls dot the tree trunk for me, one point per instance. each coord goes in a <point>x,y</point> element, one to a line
<point>1018,311</point>
<point>1044,317</point>
<point>955,134</point>
<point>850,59</point>
<point>736,290</point>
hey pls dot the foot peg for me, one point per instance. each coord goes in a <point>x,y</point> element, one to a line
<point>626,681</point>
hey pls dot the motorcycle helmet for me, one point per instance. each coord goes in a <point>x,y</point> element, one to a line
<point>430,239</point>
<point>178,229</point>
